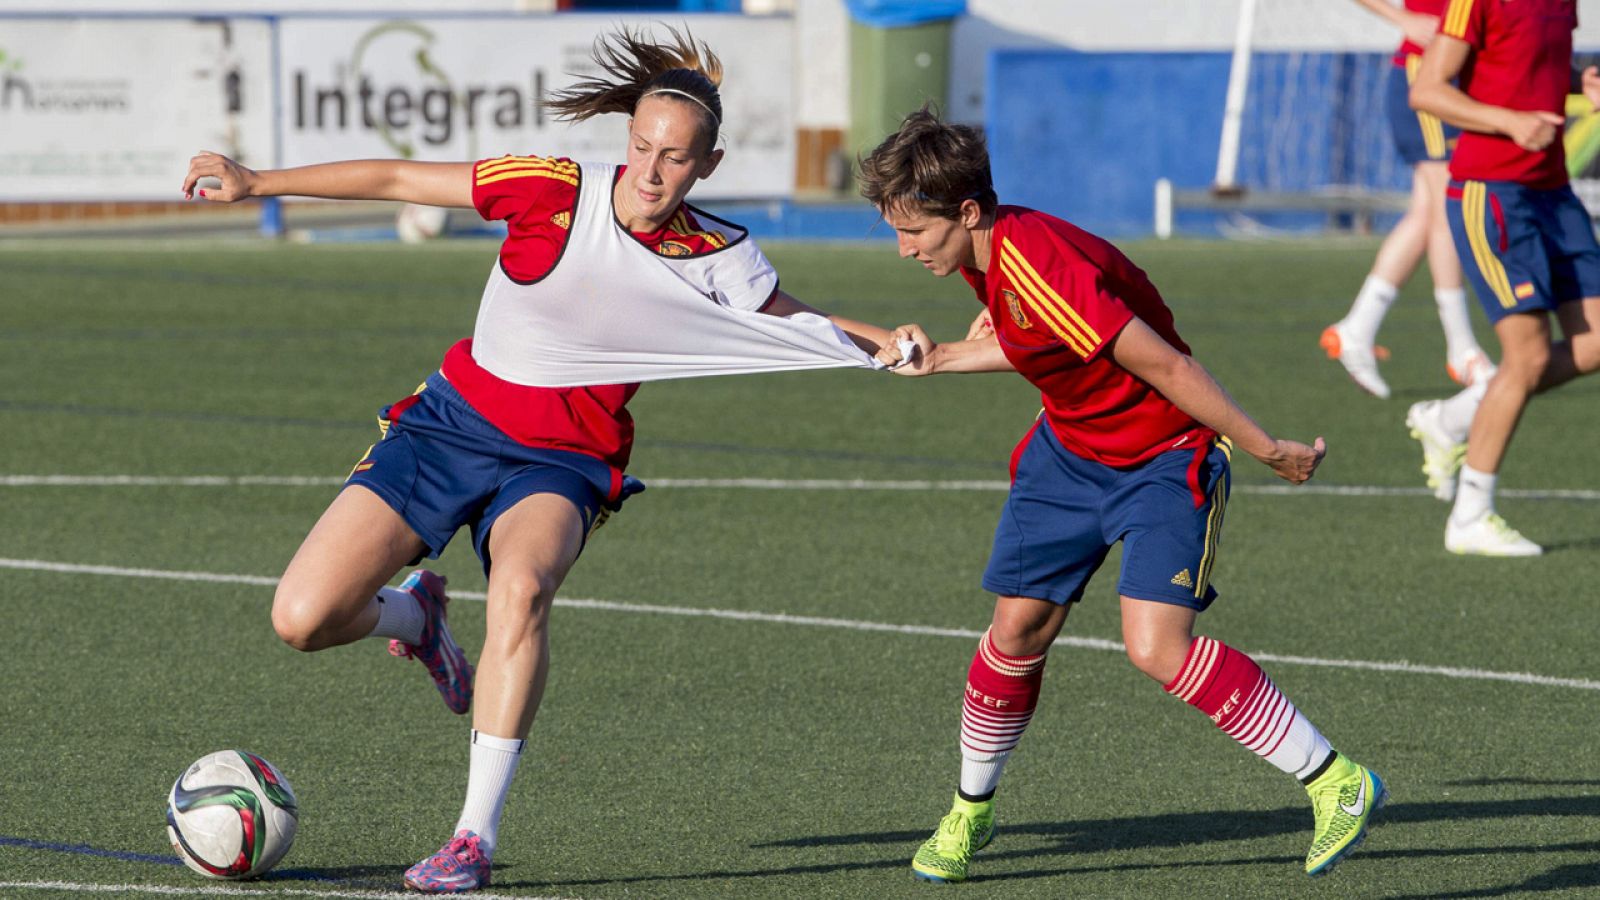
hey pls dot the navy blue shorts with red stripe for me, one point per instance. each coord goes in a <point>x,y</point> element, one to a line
<point>1525,250</point>
<point>1064,513</point>
<point>441,465</point>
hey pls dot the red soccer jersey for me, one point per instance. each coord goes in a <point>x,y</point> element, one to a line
<point>1058,296</point>
<point>1521,59</point>
<point>536,196</point>
<point>1409,47</point>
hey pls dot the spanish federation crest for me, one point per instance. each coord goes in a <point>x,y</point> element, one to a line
<point>1015,306</point>
<point>674,248</point>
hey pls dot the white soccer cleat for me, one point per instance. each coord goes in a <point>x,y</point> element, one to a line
<point>1442,454</point>
<point>1471,369</point>
<point>1487,535</point>
<point>1359,360</point>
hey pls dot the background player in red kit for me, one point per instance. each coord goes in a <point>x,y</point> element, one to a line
<point>1525,240</point>
<point>1424,143</point>
<point>531,470</point>
<point>1130,447</point>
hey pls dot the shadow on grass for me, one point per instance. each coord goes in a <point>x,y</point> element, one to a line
<point>1540,782</point>
<point>1561,878</point>
<point>1082,837</point>
<point>1589,543</point>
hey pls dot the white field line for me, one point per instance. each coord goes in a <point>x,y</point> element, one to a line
<point>1402,666</point>
<point>222,890</point>
<point>763,484</point>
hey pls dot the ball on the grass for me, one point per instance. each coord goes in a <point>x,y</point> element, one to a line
<point>231,815</point>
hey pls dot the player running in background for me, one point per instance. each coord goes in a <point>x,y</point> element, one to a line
<point>1527,243</point>
<point>1134,444</point>
<point>531,470</point>
<point>1424,143</point>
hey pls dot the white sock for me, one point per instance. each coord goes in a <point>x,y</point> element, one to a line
<point>494,764</point>
<point>1456,411</point>
<point>399,616</point>
<point>1459,341</point>
<point>1367,312</point>
<point>1303,750</point>
<point>979,776</point>
<point>1474,495</point>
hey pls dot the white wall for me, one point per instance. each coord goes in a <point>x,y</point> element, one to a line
<point>822,64</point>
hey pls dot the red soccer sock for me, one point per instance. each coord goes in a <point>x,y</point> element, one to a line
<point>1002,692</point>
<point>1229,687</point>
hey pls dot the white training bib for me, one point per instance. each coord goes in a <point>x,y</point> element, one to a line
<point>613,311</point>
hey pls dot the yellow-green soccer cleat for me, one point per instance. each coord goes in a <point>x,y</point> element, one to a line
<point>965,831</point>
<point>1344,799</point>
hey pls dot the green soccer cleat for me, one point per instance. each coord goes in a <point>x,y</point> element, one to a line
<point>1344,799</point>
<point>966,830</point>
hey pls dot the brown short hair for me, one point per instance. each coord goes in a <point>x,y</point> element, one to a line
<point>929,165</point>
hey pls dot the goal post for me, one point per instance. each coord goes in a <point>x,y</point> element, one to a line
<point>1233,108</point>
<point>1304,139</point>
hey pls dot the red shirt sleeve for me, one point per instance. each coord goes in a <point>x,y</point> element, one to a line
<point>534,196</point>
<point>1464,20</point>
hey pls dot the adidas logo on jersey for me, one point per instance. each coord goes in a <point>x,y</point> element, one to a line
<point>1183,580</point>
<point>562,219</point>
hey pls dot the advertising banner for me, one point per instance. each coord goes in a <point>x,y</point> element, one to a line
<point>471,87</point>
<point>112,108</point>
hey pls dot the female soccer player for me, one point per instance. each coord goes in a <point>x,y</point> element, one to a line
<point>1133,445</point>
<point>1424,143</point>
<point>531,470</point>
<point>1528,242</point>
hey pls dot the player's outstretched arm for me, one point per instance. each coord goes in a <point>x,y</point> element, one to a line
<point>431,184</point>
<point>870,338</point>
<point>1181,379</point>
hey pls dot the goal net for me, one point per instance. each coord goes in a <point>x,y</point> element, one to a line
<point>1305,109</point>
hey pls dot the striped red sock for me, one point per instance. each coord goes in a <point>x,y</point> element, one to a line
<point>1002,692</point>
<point>1229,687</point>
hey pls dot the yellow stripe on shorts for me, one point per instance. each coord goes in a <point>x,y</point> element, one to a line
<point>1475,213</point>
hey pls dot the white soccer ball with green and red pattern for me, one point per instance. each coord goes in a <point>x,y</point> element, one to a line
<point>231,815</point>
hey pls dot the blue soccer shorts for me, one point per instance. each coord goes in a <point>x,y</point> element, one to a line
<point>1065,512</point>
<point>1524,250</point>
<point>1419,137</point>
<point>441,465</point>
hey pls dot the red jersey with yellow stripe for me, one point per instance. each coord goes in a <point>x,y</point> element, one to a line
<point>1409,47</point>
<point>1521,59</point>
<point>536,198</point>
<point>1058,296</point>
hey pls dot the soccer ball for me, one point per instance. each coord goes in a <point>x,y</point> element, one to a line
<point>231,815</point>
<point>416,223</point>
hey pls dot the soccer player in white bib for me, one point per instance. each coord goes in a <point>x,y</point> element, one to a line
<point>606,276</point>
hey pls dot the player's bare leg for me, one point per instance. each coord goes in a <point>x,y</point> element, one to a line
<point>1353,339</point>
<point>327,594</point>
<point>1531,364</point>
<point>1473,526</point>
<point>532,546</point>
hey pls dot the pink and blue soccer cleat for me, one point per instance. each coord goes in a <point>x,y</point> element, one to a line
<point>437,650</point>
<point>458,866</point>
